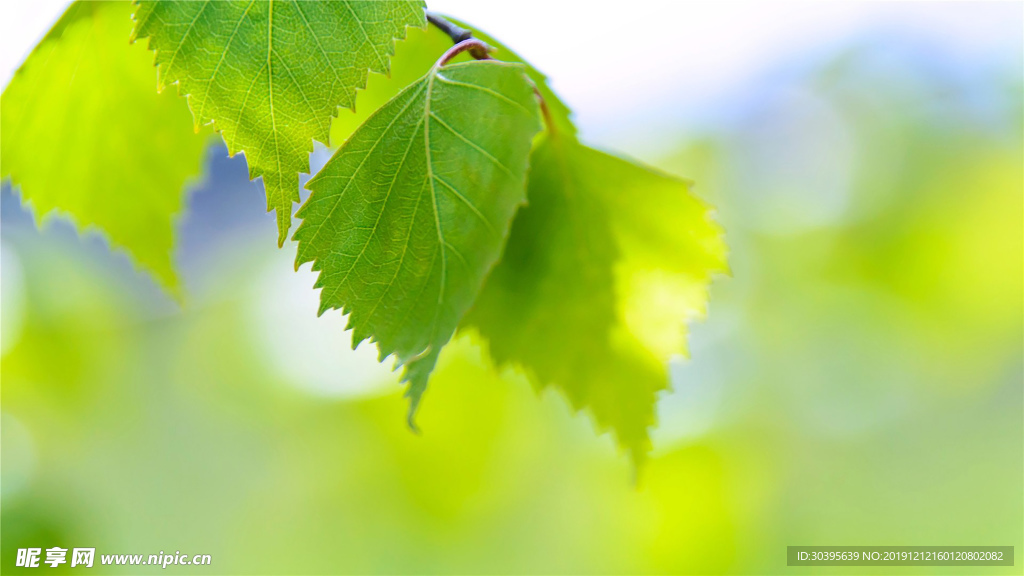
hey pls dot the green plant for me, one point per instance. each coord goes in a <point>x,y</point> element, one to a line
<point>465,202</point>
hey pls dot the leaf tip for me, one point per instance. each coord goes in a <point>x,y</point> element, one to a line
<point>410,417</point>
<point>284,224</point>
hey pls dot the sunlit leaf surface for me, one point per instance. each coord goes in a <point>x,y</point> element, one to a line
<point>602,269</point>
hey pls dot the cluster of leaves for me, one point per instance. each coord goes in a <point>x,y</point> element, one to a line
<point>455,206</point>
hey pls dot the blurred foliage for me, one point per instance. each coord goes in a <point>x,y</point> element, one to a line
<point>859,378</point>
<point>125,151</point>
<point>874,346</point>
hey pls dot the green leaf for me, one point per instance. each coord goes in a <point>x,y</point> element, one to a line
<point>601,271</point>
<point>407,218</point>
<point>271,75</point>
<point>84,133</point>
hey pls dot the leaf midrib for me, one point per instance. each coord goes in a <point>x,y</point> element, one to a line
<point>433,192</point>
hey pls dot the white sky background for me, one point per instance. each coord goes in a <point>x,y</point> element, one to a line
<point>616,62</point>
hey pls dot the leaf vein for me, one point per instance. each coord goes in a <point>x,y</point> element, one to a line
<point>485,90</point>
<point>362,162</point>
<point>224,54</point>
<point>469,204</point>
<point>472,144</point>
<point>177,49</point>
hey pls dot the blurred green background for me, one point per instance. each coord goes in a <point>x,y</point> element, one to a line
<point>858,380</point>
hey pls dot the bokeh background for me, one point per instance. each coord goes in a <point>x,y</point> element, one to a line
<point>859,379</point>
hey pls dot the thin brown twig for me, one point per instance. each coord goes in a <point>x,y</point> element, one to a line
<point>455,32</point>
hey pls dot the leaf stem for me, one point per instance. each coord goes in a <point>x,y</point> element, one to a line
<point>476,48</point>
<point>465,42</point>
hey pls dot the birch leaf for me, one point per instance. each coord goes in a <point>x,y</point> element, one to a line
<point>601,271</point>
<point>407,218</point>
